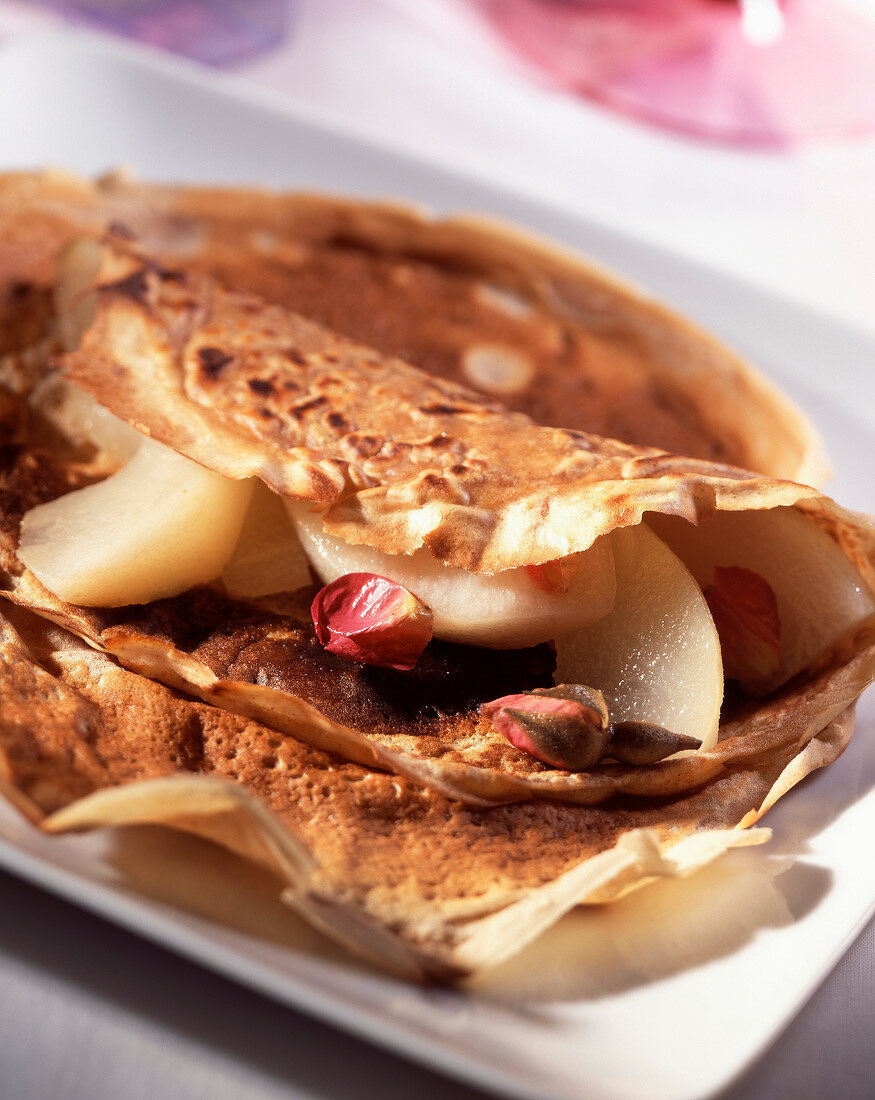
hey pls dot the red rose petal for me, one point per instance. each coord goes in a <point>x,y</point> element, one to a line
<point>553,577</point>
<point>745,612</point>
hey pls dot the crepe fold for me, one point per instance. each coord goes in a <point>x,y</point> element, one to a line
<point>389,868</point>
<point>397,460</point>
<point>392,816</point>
<point>477,303</point>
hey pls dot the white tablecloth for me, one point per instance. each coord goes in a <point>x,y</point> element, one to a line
<point>87,1010</point>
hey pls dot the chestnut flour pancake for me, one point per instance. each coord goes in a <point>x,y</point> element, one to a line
<point>470,301</point>
<point>381,860</point>
<point>398,460</point>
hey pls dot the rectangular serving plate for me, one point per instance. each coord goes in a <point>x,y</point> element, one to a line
<point>678,966</point>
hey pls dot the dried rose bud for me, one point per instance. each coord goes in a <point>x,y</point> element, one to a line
<point>745,613</point>
<point>372,620</point>
<point>554,577</point>
<point>566,726</point>
<point>644,743</point>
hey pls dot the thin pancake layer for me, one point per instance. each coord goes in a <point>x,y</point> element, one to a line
<point>397,459</point>
<point>475,303</point>
<point>198,367</point>
<point>390,868</point>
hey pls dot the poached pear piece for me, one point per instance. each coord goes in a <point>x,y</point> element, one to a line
<point>160,525</point>
<point>656,657</point>
<point>820,597</point>
<point>398,464</point>
<point>267,557</point>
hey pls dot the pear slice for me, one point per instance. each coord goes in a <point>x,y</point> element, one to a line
<point>155,528</point>
<point>656,657</point>
<point>83,420</point>
<point>75,298</point>
<point>268,557</point>
<point>820,595</point>
<point>504,610</point>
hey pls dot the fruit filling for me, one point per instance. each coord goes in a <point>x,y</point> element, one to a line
<point>656,655</point>
<point>159,526</point>
<point>645,623</point>
<point>500,611</point>
<point>820,597</point>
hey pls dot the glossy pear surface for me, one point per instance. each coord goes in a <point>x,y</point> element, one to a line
<point>820,594</point>
<point>504,610</point>
<point>656,656</point>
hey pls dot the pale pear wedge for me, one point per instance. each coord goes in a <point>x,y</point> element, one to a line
<point>75,300</point>
<point>157,527</point>
<point>499,611</point>
<point>820,595</point>
<point>82,420</point>
<point>656,656</point>
<point>268,557</point>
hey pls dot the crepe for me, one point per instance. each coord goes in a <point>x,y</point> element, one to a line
<point>356,823</point>
<point>397,460</point>
<point>391,869</point>
<point>471,301</point>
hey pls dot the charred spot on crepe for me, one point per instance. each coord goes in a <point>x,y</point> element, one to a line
<point>300,410</point>
<point>261,386</point>
<point>213,361</point>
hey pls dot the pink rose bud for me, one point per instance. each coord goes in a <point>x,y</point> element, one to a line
<point>372,620</point>
<point>566,726</point>
<point>553,577</point>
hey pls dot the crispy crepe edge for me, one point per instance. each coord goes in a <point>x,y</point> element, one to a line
<point>221,812</point>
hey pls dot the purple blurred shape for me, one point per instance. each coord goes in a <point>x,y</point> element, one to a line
<point>215,32</point>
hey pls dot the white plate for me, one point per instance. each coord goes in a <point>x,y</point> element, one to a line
<point>588,1002</point>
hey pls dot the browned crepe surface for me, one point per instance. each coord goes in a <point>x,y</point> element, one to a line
<point>391,868</point>
<point>384,864</point>
<point>198,366</point>
<point>574,348</point>
<point>396,458</point>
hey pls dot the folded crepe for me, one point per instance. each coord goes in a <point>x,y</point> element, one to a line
<point>406,469</point>
<point>476,303</point>
<point>394,812</point>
